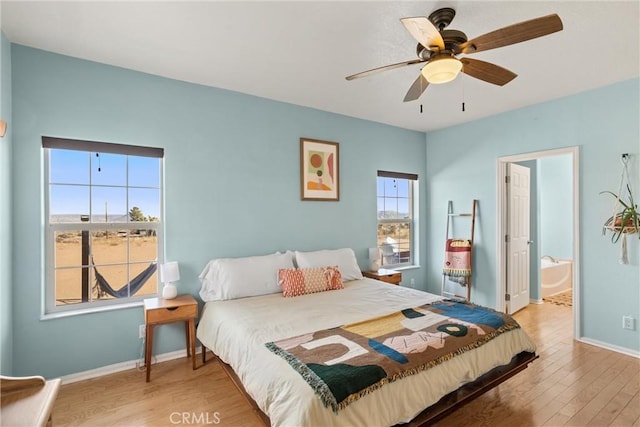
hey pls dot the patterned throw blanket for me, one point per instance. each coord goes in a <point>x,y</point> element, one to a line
<point>343,364</point>
<point>457,260</point>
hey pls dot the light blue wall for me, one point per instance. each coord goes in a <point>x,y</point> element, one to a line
<point>556,201</point>
<point>604,124</point>
<point>232,187</point>
<point>6,168</point>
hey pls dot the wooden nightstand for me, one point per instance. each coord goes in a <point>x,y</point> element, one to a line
<point>390,276</point>
<point>158,311</point>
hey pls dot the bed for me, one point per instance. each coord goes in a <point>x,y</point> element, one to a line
<point>238,329</point>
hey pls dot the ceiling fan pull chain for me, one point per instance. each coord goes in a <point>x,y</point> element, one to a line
<point>421,90</point>
<point>462,80</point>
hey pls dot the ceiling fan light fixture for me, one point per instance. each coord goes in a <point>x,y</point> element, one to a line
<point>442,69</point>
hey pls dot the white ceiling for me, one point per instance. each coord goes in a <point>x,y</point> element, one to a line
<point>300,52</point>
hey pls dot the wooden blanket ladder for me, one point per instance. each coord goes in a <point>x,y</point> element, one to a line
<point>451,288</point>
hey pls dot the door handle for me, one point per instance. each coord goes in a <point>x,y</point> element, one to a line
<point>529,242</point>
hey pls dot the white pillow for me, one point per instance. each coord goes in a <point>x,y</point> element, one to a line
<point>231,278</point>
<point>344,258</point>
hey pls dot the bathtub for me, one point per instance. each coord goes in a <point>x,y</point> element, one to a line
<point>555,277</point>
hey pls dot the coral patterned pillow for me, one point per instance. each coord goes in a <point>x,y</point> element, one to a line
<point>301,281</point>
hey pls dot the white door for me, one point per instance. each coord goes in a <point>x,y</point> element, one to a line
<point>518,231</point>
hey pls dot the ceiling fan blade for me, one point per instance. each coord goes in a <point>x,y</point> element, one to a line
<point>424,31</point>
<point>513,34</point>
<point>385,68</point>
<point>487,71</point>
<point>416,89</point>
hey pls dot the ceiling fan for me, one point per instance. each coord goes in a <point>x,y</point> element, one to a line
<point>438,49</point>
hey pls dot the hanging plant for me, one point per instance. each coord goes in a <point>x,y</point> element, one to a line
<point>626,220</point>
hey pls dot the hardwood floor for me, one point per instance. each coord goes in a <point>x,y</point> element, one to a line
<point>571,384</point>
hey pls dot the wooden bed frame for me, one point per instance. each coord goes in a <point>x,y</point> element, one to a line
<point>433,413</point>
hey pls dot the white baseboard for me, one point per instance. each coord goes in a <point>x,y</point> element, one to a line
<point>536,301</point>
<point>122,366</point>
<point>616,348</point>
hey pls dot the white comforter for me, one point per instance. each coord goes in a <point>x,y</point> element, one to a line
<point>237,330</point>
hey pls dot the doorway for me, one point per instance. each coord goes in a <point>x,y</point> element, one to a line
<point>503,247</point>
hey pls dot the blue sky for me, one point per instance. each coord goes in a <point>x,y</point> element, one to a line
<point>393,196</point>
<point>72,172</point>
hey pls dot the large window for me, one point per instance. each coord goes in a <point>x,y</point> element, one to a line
<point>103,214</point>
<point>396,227</point>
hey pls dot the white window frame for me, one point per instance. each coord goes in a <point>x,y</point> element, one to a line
<point>412,220</point>
<point>49,307</point>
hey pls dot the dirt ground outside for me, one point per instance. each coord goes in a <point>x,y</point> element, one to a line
<point>114,248</point>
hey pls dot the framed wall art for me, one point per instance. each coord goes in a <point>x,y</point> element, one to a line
<point>319,170</point>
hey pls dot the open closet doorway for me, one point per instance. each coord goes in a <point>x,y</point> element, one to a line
<point>538,254</point>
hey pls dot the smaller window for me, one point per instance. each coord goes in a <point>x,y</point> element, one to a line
<point>396,227</point>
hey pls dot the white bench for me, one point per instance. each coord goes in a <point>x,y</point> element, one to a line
<point>27,401</point>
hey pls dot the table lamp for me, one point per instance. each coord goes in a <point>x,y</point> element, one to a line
<point>374,258</point>
<point>169,272</point>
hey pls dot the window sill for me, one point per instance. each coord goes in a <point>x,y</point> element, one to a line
<point>90,310</point>
<point>401,268</point>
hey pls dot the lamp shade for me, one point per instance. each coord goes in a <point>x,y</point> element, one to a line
<point>169,272</point>
<point>374,258</point>
<point>441,69</point>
